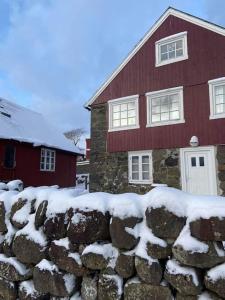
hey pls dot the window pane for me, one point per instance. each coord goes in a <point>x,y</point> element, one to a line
<point>164,108</point>
<point>145,167</point>
<point>135,176</point>
<point>131,121</point>
<point>135,168</point>
<point>116,116</point>
<point>220,99</point>
<point>179,52</point>
<point>156,109</point>
<point>42,166</point>
<point>131,113</point>
<point>174,115</point>
<point>174,106</point>
<point>123,107</point>
<point>124,114</point>
<point>165,116</point>
<point>172,54</point>
<point>145,159</point>
<point>116,108</point>
<point>179,44</point>
<point>131,105</point>
<point>201,161</point>
<point>193,161</point>
<point>219,90</point>
<point>174,98</point>
<point>155,118</point>
<point>123,122</point>
<point>116,123</point>
<point>163,48</point>
<point>156,101</point>
<point>171,47</point>
<point>135,159</point>
<point>220,108</point>
<point>145,175</point>
<point>164,56</point>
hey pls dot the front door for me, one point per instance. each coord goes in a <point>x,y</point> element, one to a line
<point>198,170</point>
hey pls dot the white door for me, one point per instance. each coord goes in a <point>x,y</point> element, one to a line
<point>199,175</point>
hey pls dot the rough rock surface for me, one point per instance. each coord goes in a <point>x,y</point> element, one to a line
<point>157,251</point>
<point>28,251</point>
<point>40,215</point>
<point>109,287</point>
<point>7,290</point>
<point>120,236</point>
<point>94,261</point>
<point>55,227</point>
<point>199,259</point>
<point>28,292</point>
<point>217,286</point>
<point>12,270</point>
<point>89,288</point>
<point>150,271</point>
<point>3,227</point>
<point>125,265</point>
<point>88,227</point>
<point>143,291</point>
<point>15,207</point>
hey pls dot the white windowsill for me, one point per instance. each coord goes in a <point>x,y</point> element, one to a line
<point>165,123</point>
<point>123,128</point>
<point>140,182</point>
<point>219,116</point>
<point>171,61</point>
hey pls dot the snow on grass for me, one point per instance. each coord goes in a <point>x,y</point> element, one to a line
<point>21,268</point>
<point>217,273</point>
<point>189,243</point>
<point>173,267</point>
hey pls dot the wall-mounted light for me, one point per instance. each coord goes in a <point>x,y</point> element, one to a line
<point>194,141</point>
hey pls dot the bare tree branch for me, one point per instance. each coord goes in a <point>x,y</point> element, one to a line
<point>75,135</point>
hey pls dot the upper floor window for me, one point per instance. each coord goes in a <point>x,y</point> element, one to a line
<point>165,107</point>
<point>140,167</point>
<point>171,49</point>
<point>47,162</point>
<point>123,113</point>
<point>217,98</point>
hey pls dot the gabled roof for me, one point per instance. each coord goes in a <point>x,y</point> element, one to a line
<point>24,125</point>
<point>170,11</point>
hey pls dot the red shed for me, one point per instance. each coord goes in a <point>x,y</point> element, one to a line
<point>160,117</point>
<point>32,150</point>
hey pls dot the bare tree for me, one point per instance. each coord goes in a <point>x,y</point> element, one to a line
<point>75,135</point>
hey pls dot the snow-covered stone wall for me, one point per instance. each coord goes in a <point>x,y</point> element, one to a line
<point>68,244</point>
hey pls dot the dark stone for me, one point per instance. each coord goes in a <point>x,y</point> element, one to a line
<point>171,161</point>
<point>8,290</point>
<point>94,261</point>
<point>158,251</point>
<point>120,237</point>
<point>56,226</point>
<point>216,286</point>
<point>19,204</point>
<point>142,291</point>
<point>125,265</point>
<point>169,225</point>
<point>207,295</point>
<point>89,288</point>
<point>3,227</point>
<point>212,229</point>
<point>7,247</point>
<point>27,251</point>
<point>52,281</point>
<point>88,227</point>
<point>40,215</point>
<point>66,260</point>
<point>199,259</point>
<point>183,282</point>
<point>110,287</point>
<point>26,294</point>
<point>10,272</point>
<point>150,271</point>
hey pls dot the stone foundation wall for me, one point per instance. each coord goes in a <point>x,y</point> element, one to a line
<point>110,253</point>
<point>109,171</point>
<point>221,167</point>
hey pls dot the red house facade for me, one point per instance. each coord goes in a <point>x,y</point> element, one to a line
<point>32,150</point>
<point>160,117</point>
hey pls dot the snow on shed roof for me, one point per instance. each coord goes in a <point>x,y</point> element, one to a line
<point>24,125</point>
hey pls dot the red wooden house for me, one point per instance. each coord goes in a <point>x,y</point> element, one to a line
<point>160,117</point>
<point>32,150</point>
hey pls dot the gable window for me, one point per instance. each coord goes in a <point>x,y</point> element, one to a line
<point>171,49</point>
<point>165,107</point>
<point>9,157</point>
<point>47,162</point>
<point>123,113</point>
<point>217,98</point>
<point>140,167</point>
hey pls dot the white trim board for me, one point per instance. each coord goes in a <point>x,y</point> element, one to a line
<point>170,11</point>
<point>212,163</point>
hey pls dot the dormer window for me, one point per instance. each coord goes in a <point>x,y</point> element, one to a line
<point>171,49</point>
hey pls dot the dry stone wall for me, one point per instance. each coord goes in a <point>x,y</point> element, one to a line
<point>57,244</point>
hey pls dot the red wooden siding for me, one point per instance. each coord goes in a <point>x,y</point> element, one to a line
<point>206,51</point>
<point>28,166</point>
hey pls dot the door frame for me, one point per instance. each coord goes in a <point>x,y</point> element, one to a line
<point>212,166</point>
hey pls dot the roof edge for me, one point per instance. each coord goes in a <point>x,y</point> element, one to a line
<point>169,11</point>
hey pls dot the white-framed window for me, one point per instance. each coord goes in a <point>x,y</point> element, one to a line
<point>217,98</point>
<point>165,107</point>
<point>123,113</point>
<point>140,167</point>
<point>171,49</point>
<point>47,162</point>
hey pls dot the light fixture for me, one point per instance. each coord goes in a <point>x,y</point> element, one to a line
<point>194,141</point>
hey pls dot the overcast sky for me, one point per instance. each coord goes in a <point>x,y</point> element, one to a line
<point>54,54</point>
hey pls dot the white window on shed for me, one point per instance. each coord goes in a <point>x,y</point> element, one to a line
<point>48,158</point>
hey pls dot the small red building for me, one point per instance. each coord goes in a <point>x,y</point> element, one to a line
<point>160,117</point>
<point>32,150</point>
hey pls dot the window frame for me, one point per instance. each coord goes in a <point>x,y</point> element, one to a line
<point>119,101</point>
<point>171,39</point>
<point>161,93</point>
<point>45,157</point>
<point>140,154</point>
<point>212,85</point>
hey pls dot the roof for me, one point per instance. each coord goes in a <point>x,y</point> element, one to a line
<point>170,11</point>
<point>24,125</point>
